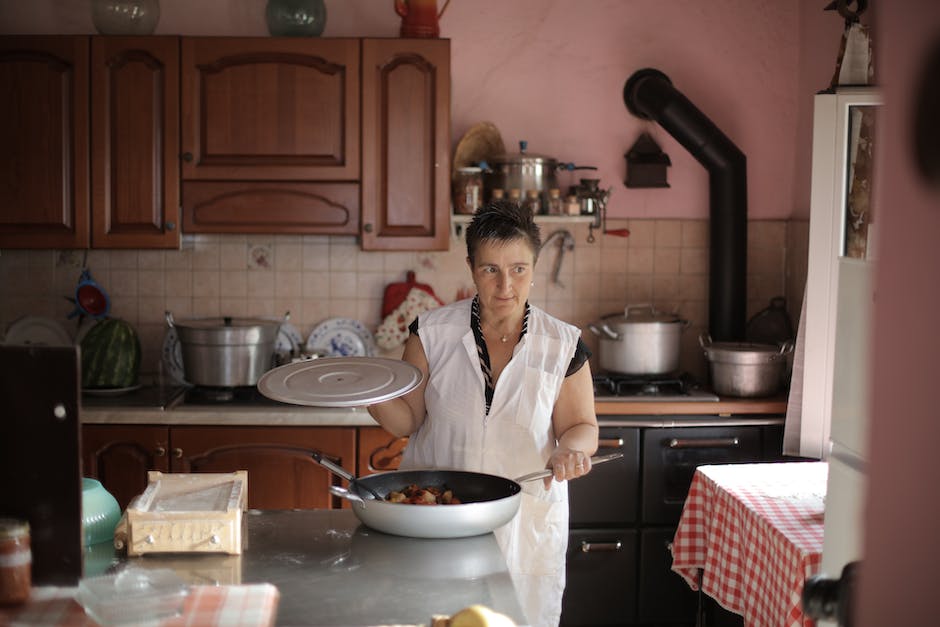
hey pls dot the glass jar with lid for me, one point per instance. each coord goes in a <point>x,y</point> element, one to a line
<point>532,201</point>
<point>468,190</point>
<point>556,205</point>
<point>15,561</point>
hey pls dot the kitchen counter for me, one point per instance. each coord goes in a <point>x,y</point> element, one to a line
<point>629,413</point>
<point>331,570</point>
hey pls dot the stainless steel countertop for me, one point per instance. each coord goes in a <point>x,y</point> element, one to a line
<point>330,570</point>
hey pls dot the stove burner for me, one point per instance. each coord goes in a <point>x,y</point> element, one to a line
<point>654,387</point>
<point>239,395</point>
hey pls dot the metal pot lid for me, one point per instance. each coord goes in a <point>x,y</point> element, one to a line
<point>340,381</point>
<point>746,352</point>
<point>226,322</point>
<point>642,313</point>
<point>523,157</point>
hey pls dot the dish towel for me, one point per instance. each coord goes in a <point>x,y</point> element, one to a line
<point>253,605</point>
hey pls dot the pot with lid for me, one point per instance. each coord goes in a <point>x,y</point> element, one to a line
<point>746,369</point>
<point>643,341</point>
<point>524,171</point>
<point>226,351</point>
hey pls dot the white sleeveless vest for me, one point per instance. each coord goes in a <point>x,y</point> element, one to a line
<point>514,439</point>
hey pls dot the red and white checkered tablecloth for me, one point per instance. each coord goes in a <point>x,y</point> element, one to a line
<point>755,533</point>
<point>253,605</point>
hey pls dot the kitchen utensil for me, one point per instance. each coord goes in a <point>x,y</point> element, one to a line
<point>90,298</point>
<point>396,293</point>
<point>225,352</point>
<point>341,337</point>
<point>340,381</point>
<point>488,502</point>
<point>172,357</point>
<point>643,341</point>
<point>339,471</point>
<point>419,18</point>
<point>547,472</point>
<point>770,325</point>
<point>745,368</point>
<point>481,142</point>
<point>525,171</point>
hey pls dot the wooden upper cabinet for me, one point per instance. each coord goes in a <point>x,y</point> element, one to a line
<point>44,140</point>
<point>270,108</point>
<point>135,142</point>
<point>405,144</point>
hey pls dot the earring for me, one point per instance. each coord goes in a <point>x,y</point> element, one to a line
<point>532,284</point>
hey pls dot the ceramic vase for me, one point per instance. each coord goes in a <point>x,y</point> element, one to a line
<point>125,17</point>
<point>296,18</point>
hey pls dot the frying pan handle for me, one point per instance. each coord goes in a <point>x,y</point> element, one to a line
<point>343,493</point>
<point>334,468</point>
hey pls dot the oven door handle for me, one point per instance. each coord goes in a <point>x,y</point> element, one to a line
<point>597,547</point>
<point>610,443</point>
<point>704,443</point>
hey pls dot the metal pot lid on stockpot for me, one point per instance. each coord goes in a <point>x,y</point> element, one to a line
<point>225,351</point>
<point>642,341</point>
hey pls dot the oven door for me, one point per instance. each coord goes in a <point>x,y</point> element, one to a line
<point>609,494</point>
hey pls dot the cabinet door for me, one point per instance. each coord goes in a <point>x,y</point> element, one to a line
<point>44,135</point>
<point>270,108</point>
<point>135,142</point>
<point>119,456</point>
<point>601,574</point>
<point>281,472</point>
<point>664,597</point>
<point>379,450</point>
<point>405,144</point>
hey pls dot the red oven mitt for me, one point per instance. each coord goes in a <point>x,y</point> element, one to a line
<point>396,293</point>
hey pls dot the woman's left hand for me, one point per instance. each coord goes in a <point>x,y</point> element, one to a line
<point>566,463</point>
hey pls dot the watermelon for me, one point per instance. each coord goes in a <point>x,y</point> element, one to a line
<point>110,355</point>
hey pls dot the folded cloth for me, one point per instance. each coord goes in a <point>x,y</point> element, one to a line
<point>393,331</point>
<point>253,605</point>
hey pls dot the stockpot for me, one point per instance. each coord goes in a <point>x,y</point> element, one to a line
<point>226,351</point>
<point>745,368</point>
<point>643,341</point>
<point>524,171</point>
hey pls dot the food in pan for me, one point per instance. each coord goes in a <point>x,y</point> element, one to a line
<point>414,494</point>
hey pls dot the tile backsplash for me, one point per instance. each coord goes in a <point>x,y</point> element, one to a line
<point>664,262</point>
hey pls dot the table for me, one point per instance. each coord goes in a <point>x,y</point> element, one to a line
<point>328,569</point>
<point>752,534</point>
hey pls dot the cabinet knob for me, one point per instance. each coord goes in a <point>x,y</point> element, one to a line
<point>367,228</point>
<point>178,453</point>
<point>187,157</point>
<point>171,226</point>
<point>159,451</point>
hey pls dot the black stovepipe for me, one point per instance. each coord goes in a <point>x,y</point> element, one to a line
<point>649,94</point>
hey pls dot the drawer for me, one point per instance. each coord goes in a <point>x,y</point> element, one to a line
<point>608,495</point>
<point>670,457</point>
<point>601,578</point>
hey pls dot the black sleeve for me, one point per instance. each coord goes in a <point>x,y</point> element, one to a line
<point>581,354</point>
<point>413,327</point>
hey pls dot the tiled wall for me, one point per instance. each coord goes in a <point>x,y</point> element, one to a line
<point>664,262</point>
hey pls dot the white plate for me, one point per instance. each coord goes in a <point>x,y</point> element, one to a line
<point>173,356</point>
<point>37,331</point>
<point>342,337</point>
<point>340,381</point>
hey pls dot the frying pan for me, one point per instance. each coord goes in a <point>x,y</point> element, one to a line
<point>487,502</point>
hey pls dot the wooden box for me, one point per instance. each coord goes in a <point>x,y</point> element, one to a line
<point>185,513</point>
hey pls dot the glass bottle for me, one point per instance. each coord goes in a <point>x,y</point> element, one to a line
<point>555,204</point>
<point>532,201</point>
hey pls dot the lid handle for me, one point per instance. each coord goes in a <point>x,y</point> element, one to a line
<point>169,318</point>
<point>523,144</point>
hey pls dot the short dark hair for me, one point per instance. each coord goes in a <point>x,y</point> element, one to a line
<point>502,221</point>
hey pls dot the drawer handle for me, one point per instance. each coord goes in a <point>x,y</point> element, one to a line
<point>159,452</point>
<point>704,443</point>
<point>610,443</point>
<point>178,453</point>
<point>598,547</point>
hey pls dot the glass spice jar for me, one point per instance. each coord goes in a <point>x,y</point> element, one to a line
<point>555,204</point>
<point>468,190</point>
<point>532,201</point>
<point>572,205</point>
<point>15,561</point>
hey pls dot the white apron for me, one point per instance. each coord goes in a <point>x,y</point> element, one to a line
<point>514,439</point>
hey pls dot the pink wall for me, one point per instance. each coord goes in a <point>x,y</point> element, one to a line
<point>552,72</point>
<point>902,546</point>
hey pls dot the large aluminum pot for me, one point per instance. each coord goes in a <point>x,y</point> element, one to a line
<point>746,369</point>
<point>643,341</point>
<point>225,352</point>
<point>524,171</point>
<point>487,502</point>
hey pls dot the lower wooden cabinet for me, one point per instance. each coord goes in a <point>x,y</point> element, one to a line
<point>281,472</point>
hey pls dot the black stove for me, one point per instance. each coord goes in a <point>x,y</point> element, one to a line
<point>239,395</point>
<point>613,386</point>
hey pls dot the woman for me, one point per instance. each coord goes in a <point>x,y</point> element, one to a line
<point>506,390</point>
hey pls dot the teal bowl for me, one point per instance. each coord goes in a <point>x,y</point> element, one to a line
<point>100,513</point>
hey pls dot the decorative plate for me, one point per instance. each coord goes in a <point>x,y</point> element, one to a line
<point>37,331</point>
<point>342,337</point>
<point>173,356</point>
<point>340,381</point>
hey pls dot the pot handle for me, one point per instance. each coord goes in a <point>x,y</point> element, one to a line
<point>169,319</point>
<point>604,331</point>
<point>645,306</point>
<point>705,341</point>
<point>786,348</point>
<point>343,493</point>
